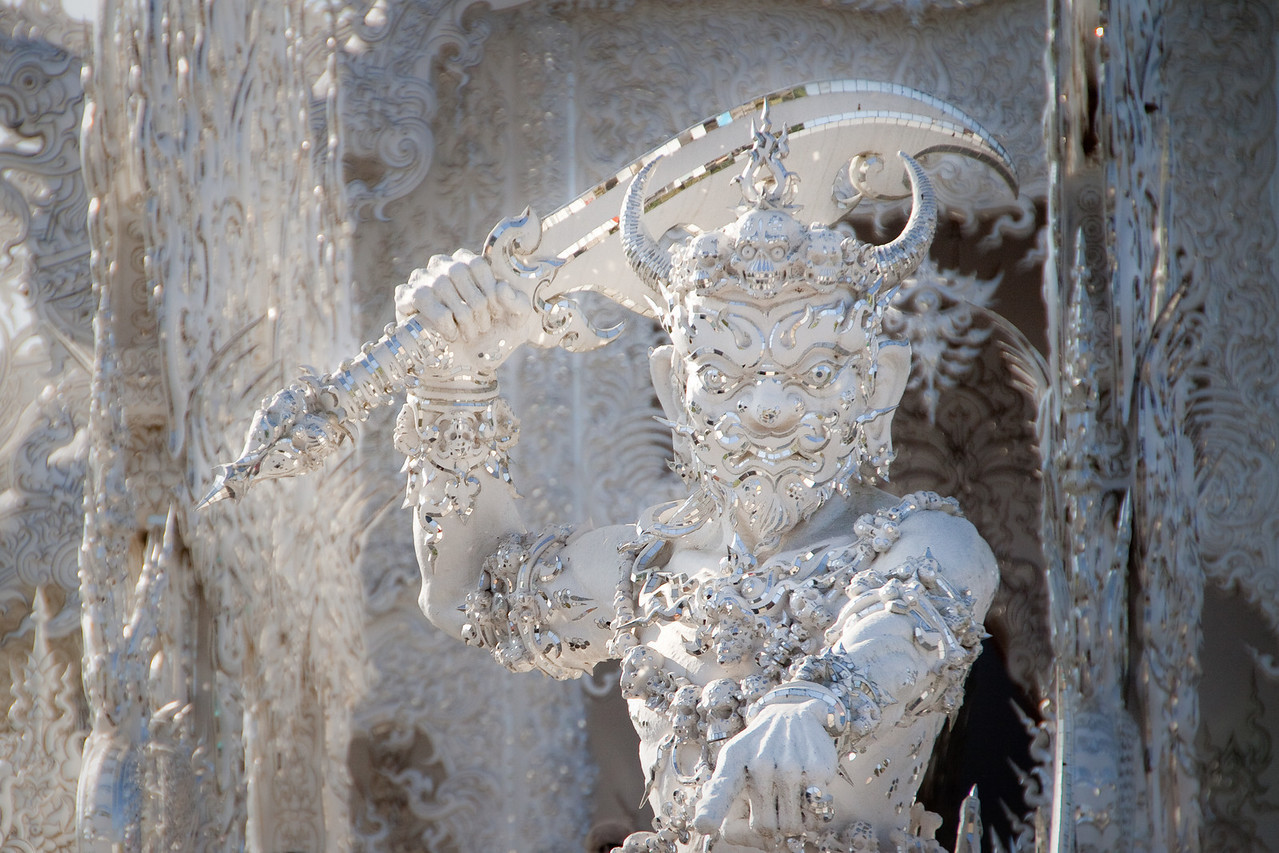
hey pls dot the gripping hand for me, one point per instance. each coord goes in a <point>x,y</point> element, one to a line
<point>458,319</point>
<point>488,305</point>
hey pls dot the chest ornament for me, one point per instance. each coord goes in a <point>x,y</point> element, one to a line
<point>781,623</point>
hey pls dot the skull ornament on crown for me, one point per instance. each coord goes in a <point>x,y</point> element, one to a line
<point>779,382</point>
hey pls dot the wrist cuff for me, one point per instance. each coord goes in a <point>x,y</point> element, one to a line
<point>795,692</point>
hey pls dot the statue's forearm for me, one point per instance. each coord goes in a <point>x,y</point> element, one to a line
<point>540,599</point>
<point>451,553</point>
<point>456,438</point>
<point>459,319</point>
<point>532,599</point>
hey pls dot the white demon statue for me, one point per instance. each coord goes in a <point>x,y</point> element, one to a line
<point>792,638</point>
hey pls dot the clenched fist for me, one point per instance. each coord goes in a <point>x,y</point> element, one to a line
<point>482,318</point>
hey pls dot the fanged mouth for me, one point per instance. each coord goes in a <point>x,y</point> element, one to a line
<point>740,450</point>
<point>787,455</point>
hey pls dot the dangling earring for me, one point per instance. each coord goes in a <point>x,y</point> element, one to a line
<point>882,459</point>
<point>869,468</point>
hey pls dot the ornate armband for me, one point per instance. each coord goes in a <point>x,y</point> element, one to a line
<point>455,436</point>
<point>510,611</point>
<point>944,624</point>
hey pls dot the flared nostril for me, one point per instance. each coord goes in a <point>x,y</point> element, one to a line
<point>771,407</point>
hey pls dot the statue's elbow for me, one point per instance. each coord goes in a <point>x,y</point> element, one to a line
<point>441,611</point>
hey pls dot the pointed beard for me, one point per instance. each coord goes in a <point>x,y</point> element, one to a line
<point>765,507</point>
<point>761,508</point>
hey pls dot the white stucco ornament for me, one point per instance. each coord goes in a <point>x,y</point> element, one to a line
<point>792,638</point>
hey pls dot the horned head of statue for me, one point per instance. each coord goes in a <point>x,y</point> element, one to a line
<point>768,254</point>
<point>779,382</point>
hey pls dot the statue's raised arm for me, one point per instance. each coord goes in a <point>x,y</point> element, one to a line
<point>458,320</point>
<point>792,638</point>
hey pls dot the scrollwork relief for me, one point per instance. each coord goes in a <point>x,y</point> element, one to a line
<point>1232,769</point>
<point>41,100</point>
<point>435,746</point>
<point>1238,472</point>
<point>391,67</point>
<point>936,315</point>
<point>1223,258</point>
<point>45,338</point>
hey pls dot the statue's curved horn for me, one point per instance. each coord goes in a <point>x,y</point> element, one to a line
<point>647,259</point>
<point>902,256</point>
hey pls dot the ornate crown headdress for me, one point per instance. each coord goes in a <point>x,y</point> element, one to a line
<point>767,252</point>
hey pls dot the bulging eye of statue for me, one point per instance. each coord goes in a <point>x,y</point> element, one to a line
<point>713,379</point>
<point>747,251</point>
<point>777,252</point>
<point>820,374</point>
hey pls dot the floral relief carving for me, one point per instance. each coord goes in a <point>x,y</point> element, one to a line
<point>434,738</point>
<point>390,66</point>
<point>935,313</point>
<point>1238,529</point>
<point>1223,258</point>
<point>45,336</point>
<point>41,101</point>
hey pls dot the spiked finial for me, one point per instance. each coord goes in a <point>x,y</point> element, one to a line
<point>765,181</point>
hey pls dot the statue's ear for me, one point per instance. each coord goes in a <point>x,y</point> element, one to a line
<point>661,367</point>
<point>891,374</point>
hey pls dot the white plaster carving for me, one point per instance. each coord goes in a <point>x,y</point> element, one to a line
<point>472,165</point>
<point>1236,483</point>
<point>1233,800</point>
<point>219,272</point>
<point>40,747</point>
<point>48,22</point>
<point>1235,528</point>
<point>1234,467</point>
<point>460,112</point>
<point>441,750</point>
<point>943,336</point>
<point>388,67</point>
<point>45,335</point>
<point>779,399</point>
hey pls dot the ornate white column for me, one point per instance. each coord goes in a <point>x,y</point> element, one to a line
<point>220,254</point>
